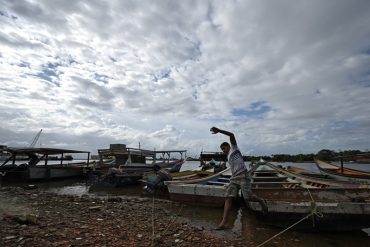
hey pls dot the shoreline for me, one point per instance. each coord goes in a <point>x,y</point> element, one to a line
<point>38,218</point>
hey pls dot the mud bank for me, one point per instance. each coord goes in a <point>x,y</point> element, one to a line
<point>38,218</point>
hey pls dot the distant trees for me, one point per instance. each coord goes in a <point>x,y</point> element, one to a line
<point>324,154</point>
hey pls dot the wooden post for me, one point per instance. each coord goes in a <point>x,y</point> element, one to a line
<point>61,159</point>
<point>46,159</point>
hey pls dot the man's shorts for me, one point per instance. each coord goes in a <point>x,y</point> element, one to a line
<point>240,182</point>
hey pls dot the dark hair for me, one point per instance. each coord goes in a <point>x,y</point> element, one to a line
<point>156,168</point>
<point>224,144</point>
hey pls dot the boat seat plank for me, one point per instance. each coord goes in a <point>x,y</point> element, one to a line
<point>276,183</point>
<point>224,180</point>
<point>216,183</point>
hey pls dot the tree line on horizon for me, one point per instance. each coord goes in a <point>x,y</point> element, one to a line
<point>324,154</point>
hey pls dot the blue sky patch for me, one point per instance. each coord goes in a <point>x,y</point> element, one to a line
<point>256,110</point>
<point>49,74</point>
<point>5,14</point>
<point>342,124</point>
<point>162,74</point>
<point>101,78</point>
<point>24,64</point>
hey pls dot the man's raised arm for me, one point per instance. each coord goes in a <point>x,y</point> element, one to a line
<point>215,130</point>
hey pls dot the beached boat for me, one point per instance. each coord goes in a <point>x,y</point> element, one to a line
<point>316,209</point>
<point>162,191</point>
<point>207,191</point>
<point>289,198</point>
<point>342,173</point>
<point>211,164</point>
<point>37,165</point>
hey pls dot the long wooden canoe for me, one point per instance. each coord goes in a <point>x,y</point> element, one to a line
<point>345,174</point>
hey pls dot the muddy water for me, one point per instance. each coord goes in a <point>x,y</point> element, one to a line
<point>13,207</point>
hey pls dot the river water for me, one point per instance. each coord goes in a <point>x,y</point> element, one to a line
<point>245,225</point>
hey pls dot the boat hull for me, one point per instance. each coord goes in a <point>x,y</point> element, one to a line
<point>330,217</point>
<point>336,209</point>
<point>41,173</point>
<point>198,195</point>
<point>49,172</point>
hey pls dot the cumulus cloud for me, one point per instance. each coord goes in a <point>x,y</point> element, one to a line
<point>286,77</point>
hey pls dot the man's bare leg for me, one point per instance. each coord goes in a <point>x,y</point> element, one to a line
<point>227,208</point>
<point>253,198</point>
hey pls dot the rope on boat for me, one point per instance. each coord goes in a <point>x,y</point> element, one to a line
<point>314,212</point>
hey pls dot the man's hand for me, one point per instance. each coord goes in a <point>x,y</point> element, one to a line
<point>215,130</point>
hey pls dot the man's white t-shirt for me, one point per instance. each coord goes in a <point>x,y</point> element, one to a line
<point>236,161</point>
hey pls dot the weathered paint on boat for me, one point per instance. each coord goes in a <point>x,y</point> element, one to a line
<point>312,182</point>
<point>346,174</point>
<point>335,217</point>
<point>338,209</point>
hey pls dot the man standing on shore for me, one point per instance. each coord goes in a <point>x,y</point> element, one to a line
<point>240,178</point>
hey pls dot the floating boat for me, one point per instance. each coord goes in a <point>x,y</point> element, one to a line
<point>36,165</point>
<point>130,174</point>
<point>128,165</point>
<point>342,173</point>
<point>343,206</point>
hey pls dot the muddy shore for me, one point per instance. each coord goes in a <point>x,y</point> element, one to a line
<point>38,218</point>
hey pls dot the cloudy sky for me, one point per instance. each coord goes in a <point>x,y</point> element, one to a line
<point>284,76</point>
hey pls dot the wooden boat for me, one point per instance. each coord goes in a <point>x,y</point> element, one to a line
<point>207,173</point>
<point>308,179</point>
<point>130,174</point>
<point>289,197</point>
<point>343,174</point>
<point>134,159</point>
<point>128,165</point>
<point>33,169</point>
<point>162,191</point>
<point>316,209</point>
<point>342,204</point>
<point>207,191</point>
